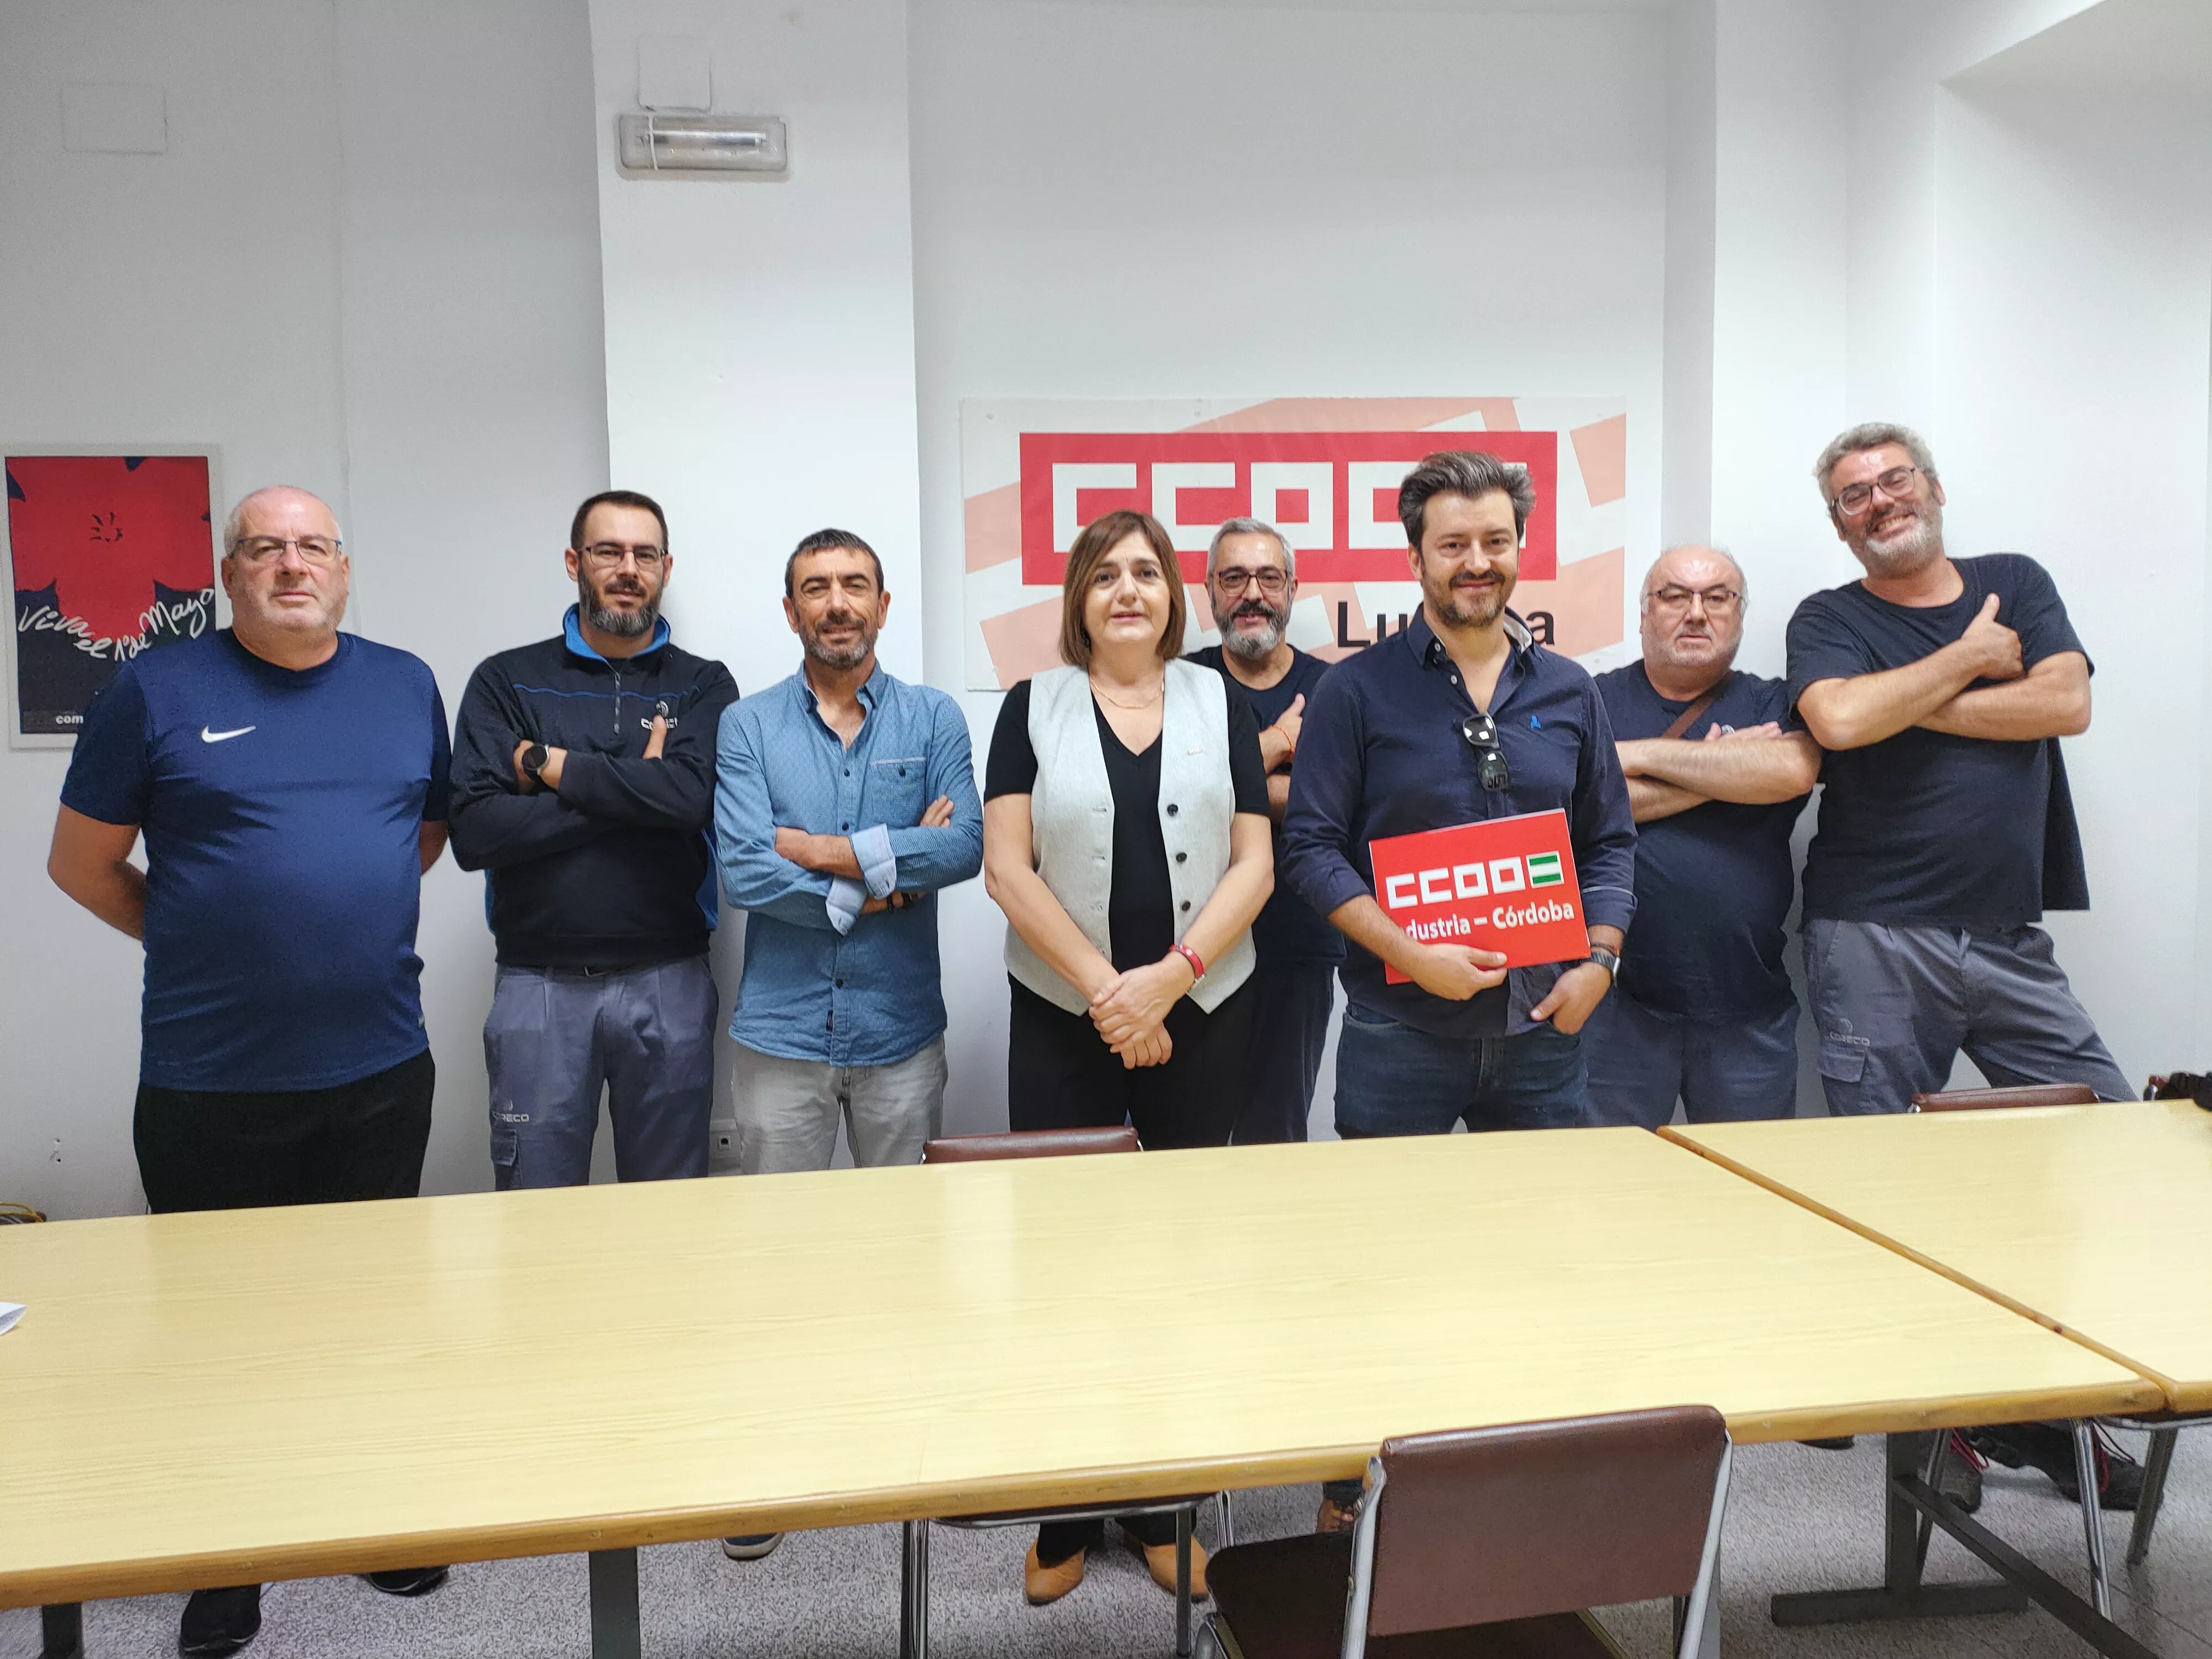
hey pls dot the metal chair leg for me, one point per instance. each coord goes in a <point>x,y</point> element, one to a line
<point>2093,1513</point>
<point>1183,1519</point>
<point>615,1632</point>
<point>2156,1460</point>
<point>914,1591</point>
<point>1228,1515</point>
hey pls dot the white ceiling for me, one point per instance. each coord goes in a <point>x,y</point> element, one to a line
<point>2155,46</point>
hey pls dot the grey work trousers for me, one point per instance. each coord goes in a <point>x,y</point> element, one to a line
<point>1894,1007</point>
<point>556,1037</point>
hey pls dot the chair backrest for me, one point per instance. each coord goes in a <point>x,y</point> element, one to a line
<point>1539,1518</point>
<point>2026,1094</point>
<point>1028,1143</point>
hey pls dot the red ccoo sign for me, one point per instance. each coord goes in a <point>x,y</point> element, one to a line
<point>1332,494</point>
<point>1503,884</point>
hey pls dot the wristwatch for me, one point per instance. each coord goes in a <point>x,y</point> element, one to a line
<point>1607,958</point>
<point>534,758</point>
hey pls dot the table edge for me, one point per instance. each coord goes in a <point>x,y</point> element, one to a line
<point>2175,1396</point>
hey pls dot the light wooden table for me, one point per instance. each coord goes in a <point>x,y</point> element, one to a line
<point>216,1398</point>
<point>2095,1221</point>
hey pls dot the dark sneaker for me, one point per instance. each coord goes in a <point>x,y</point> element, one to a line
<point>752,1546</point>
<point>408,1580</point>
<point>2048,1446</point>
<point>1960,1478</point>
<point>218,1622</point>
<point>1831,1442</point>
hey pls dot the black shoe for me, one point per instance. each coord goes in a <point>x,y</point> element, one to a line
<point>217,1622</point>
<point>752,1546</point>
<point>1831,1442</point>
<point>2050,1448</point>
<point>1960,1478</point>
<point>408,1580</point>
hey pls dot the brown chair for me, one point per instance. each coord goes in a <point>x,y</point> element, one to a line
<point>2025,1094</point>
<point>1493,1544</point>
<point>913,1608</point>
<point>1028,1143</point>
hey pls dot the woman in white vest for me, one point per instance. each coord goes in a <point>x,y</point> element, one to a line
<point>1126,836</point>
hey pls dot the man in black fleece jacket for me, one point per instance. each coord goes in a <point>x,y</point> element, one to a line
<point>584,784</point>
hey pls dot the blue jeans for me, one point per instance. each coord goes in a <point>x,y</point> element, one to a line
<point>1724,1071</point>
<point>555,1039</point>
<point>1394,1080</point>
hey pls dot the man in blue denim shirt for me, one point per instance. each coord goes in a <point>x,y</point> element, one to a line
<point>1460,716</point>
<point>844,798</point>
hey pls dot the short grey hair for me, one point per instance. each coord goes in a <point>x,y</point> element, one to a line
<point>1470,472</point>
<point>1742,581</point>
<point>1870,434</point>
<point>233,527</point>
<point>1251,527</point>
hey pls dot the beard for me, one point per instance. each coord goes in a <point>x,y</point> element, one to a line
<point>623,624</point>
<point>819,650</point>
<point>1464,607</point>
<point>1906,550</point>
<point>1255,647</point>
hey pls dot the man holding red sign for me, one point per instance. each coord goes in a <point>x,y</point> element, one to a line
<point>1461,724</point>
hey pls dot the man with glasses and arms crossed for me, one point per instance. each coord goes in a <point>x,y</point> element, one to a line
<point>1715,777</point>
<point>290,781</point>
<point>583,783</point>
<point>1940,688</point>
<point>1252,582</point>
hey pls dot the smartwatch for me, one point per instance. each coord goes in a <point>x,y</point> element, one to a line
<point>1607,958</point>
<point>534,758</point>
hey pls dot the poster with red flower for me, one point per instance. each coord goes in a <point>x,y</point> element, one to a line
<point>108,556</point>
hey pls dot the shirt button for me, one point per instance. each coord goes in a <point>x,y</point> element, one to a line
<point>1171,809</point>
<point>1185,904</point>
<point>844,826</point>
<point>841,984</point>
<point>1180,857</point>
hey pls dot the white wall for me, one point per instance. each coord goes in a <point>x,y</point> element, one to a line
<point>1142,201</point>
<point>437,303</point>
<point>2073,327</point>
<point>396,307</point>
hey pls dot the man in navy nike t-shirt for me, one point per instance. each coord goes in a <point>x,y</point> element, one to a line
<point>290,781</point>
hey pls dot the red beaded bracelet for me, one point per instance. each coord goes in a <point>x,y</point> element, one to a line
<point>1197,963</point>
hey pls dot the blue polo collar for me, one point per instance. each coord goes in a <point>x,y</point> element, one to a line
<point>573,631</point>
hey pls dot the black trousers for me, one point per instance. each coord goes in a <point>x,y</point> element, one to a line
<point>234,1150</point>
<point>1290,1024</point>
<point>1061,1075</point>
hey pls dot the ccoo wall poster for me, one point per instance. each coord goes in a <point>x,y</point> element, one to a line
<point>1324,471</point>
<point>109,556</point>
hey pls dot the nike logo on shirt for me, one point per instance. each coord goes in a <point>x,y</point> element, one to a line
<point>207,736</point>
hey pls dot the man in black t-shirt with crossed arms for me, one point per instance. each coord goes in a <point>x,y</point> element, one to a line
<point>1940,688</point>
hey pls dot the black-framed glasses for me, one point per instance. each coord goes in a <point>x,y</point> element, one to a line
<point>1270,582</point>
<point>1480,731</point>
<point>1896,483</point>
<point>607,556</point>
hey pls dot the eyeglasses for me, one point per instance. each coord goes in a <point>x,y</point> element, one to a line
<point>1233,582</point>
<point>1480,731</point>
<point>263,549</point>
<point>605,555</point>
<point>1718,601</point>
<point>1896,483</point>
